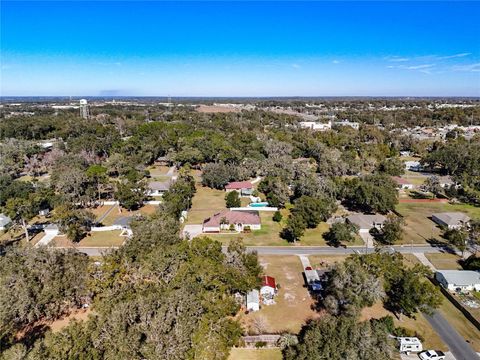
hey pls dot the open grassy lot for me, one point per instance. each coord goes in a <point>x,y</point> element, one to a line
<point>419,325</point>
<point>158,171</point>
<point>325,261</point>
<point>205,203</point>
<point>102,238</point>
<point>118,212</point>
<point>464,327</point>
<point>444,261</point>
<point>419,227</point>
<point>255,354</point>
<point>293,302</point>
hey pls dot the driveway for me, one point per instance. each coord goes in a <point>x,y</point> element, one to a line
<point>190,231</point>
<point>460,349</point>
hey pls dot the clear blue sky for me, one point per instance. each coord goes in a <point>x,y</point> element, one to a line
<point>240,48</point>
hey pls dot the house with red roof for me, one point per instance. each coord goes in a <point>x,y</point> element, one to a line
<point>403,183</point>
<point>244,188</point>
<point>269,287</point>
<point>241,220</point>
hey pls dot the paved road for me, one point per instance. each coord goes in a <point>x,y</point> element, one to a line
<point>457,344</point>
<point>306,250</point>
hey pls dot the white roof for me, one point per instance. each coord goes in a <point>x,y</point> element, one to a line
<point>253,296</point>
<point>4,220</point>
<point>409,341</point>
<point>461,277</point>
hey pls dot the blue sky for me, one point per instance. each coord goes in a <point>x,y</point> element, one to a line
<point>240,48</point>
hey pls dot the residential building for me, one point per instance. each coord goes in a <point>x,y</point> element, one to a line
<point>316,126</point>
<point>402,183</point>
<point>459,280</point>
<point>158,188</point>
<point>413,165</point>
<point>244,188</point>
<point>367,222</point>
<point>451,220</point>
<point>240,220</point>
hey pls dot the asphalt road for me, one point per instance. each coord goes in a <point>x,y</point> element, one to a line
<point>305,250</point>
<point>457,344</point>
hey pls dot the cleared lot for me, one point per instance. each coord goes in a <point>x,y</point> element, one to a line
<point>293,302</point>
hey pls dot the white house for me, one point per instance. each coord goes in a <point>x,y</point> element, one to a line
<point>451,220</point>
<point>269,287</point>
<point>367,222</point>
<point>253,300</point>
<point>4,222</point>
<point>158,188</point>
<point>459,280</point>
<point>239,219</point>
<point>244,188</point>
<point>413,165</point>
<point>316,126</point>
<point>409,344</point>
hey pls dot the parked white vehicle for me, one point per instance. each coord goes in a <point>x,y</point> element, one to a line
<point>432,355</point>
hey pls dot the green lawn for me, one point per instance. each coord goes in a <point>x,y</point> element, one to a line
<point>255,354</point>
<point>102,238</point>
<point>418,226</point>
<point>444,261</point>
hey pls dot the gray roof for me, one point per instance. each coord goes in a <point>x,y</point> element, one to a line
<point>452,218</point>
<point>253,296</point>
<point>461,277</point>
<point>123,221</point>
<point>51,227</point>
<point>366,221</point>
<point>4,220</point>
<point>159,185</point>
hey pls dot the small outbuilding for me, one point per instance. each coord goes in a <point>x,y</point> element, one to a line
<point>402,183</point>
<point>253,300</point>
<point>451,220</point>
<point>459,280</point>
<point>5,221</point>
<point>269,287</point>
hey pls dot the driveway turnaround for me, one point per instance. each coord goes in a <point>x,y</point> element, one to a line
<point>457,345</point>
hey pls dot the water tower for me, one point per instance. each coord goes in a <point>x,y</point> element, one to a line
<point>84,109</point>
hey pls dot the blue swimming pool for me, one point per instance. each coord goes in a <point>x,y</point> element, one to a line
<point>259,204</point>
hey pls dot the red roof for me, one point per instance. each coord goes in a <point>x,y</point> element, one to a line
<point>400,180</point>
<point>268,281</point>
<point>233,217</point>
<point>239,185</point>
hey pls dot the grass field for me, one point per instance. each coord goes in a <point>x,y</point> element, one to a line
<point>293,302</point>
<point>464,327</point>
<point>118,212</point>
<point>420,325</point>
<point>419,227</point>
<point>444,261</point>
<point>102,238</point>
<point>255,354</point>
<point>324,261</point>
<point>205,203</point>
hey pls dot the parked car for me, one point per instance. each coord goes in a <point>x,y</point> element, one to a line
<point>432,355</point>
<point>308,268</point>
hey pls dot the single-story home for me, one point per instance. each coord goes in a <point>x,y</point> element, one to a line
<point>269,287</point>
<point>244,188</point>
<point>402,183</point>
<point>158,188</point>
<point>367,222</point>
<point>459,280</point>
<point>4,222</point>
<point>253,300</point>
<point>239,219</point>
<point>451,220</point>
